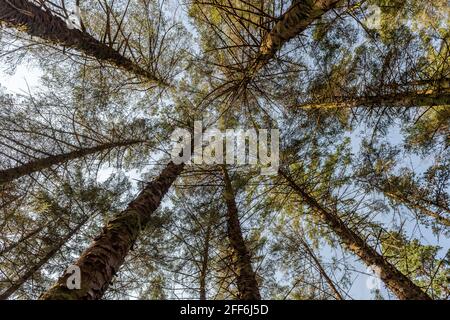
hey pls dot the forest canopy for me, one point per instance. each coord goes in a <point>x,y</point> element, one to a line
<point>349,101</point>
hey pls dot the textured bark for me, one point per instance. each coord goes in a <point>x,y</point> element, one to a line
<point>397,282</point>
<point>24,278</point>
<point>409,99</point>
<point>300,15</point>
<point>246,280</point>
<point>101,261</point>
<point>26,16</point>
<point>11,174</point>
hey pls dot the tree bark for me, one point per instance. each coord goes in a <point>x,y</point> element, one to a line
<point>11,174</point>
<point>17,284</point>
<point>397,282</point>
<point>26,16</point>
<point>408,99</point>
<point>246,278</point>
<point>300,15</point>
<point>101,261</point>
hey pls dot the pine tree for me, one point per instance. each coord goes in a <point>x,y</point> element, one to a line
<point>359,91</point>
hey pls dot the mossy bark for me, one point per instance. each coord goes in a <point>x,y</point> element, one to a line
<point>396,281</point>
<point>27,16</point>
<point>101,261</point>
<point>245,276</point>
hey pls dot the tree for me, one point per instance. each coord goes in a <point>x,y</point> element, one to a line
<point>117,238</point>
<point>246,280</point>
<point>395,280</point>
<point>419,262</point>
<point>359,91</point>
<point>64,213</point>
<point>405,188</point>
<point>294,21</point>
<point>42,21</point>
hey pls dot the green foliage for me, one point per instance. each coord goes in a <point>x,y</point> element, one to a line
<point>419,262</point>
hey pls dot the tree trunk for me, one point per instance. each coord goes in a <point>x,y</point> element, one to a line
<point>17,284</point>
<point>414,204</point>
<point>204,266</point>
<point>28,17</point>
<point>23,239</point>
<point>101,261</point>
<point>397,282</point>
<point>438,205</point>
<point>411,200</point>
<point>300,15</point>
<point>9,175</point>
<point>322,271</point>
<point>246,280</point>
<point>408,99</point>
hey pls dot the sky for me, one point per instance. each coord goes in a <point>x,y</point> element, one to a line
<point>25,77</point>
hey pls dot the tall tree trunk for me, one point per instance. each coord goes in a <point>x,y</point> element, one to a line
<point>27,16</point>
<point>246,280</point>
<point>300,15</point>
<point>24,238</point>
<point>11,174</point>
<point>415,204</point>
<point>17,284</point>
<point>438,205</point>
<point>411,200</point>
<point>204,265</point>
<point>322,271</point>
<point>408,99</point>
<point>101,261</point>
<point>397,282</point>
